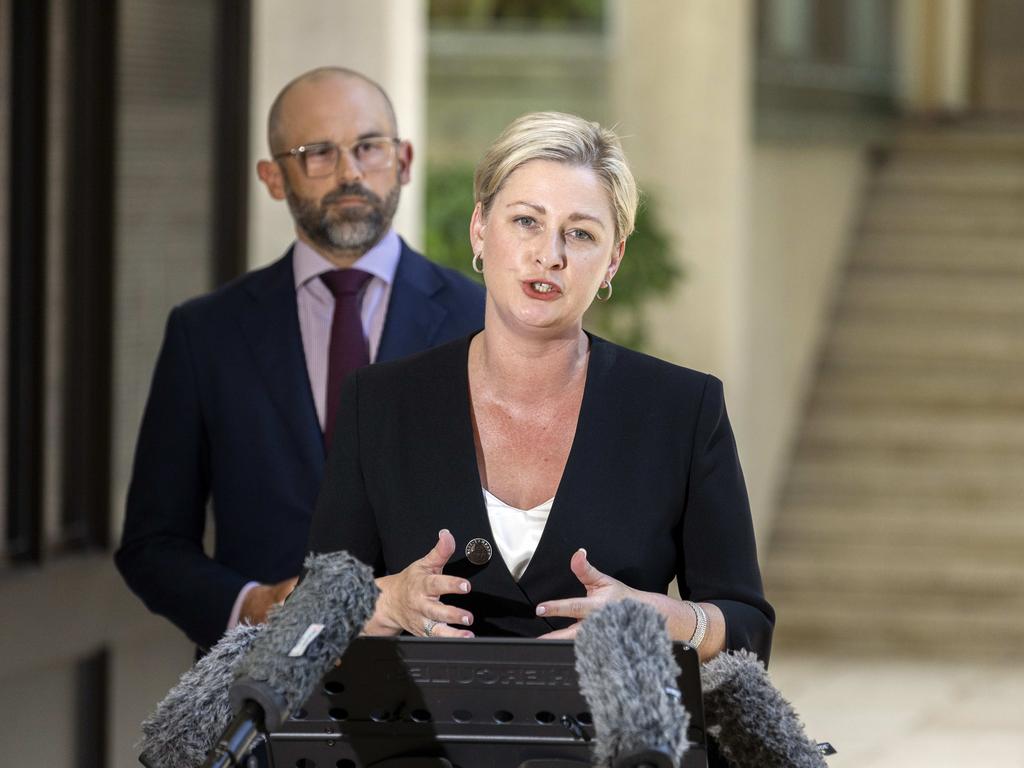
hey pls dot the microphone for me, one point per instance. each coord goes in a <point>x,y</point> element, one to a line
<point>303,639</point>
<point>753,723</point>
<point>628,676</point>
<point>182,729</point>
<point>338,594</point>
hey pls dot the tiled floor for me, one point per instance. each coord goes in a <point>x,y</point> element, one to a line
<point>889,714</point>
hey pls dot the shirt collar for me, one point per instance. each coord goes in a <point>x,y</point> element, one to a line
<point>381,261</point>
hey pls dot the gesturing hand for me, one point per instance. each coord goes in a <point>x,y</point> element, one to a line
<point>411,599</point>
<point>601,590</point>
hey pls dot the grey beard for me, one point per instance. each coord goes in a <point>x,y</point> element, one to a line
<point>346,229</point>
<point>351,233</point>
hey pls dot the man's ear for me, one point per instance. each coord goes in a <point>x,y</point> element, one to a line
<point>404,162</point>
<point>270,174</point>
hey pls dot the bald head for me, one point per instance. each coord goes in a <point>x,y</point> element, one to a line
<point>322,82</point>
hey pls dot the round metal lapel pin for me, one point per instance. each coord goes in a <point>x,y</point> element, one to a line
<point>479,551</point>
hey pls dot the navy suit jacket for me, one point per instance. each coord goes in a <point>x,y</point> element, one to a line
<point>652,488</point>
<point>230,421</point>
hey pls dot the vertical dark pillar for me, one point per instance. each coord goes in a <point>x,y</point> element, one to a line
<point>89,271</point>
<point>231,166</point>
<point>92,705</point>
<point>27,270</point>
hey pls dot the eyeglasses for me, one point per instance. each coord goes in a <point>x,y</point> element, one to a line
<point>321,159</point>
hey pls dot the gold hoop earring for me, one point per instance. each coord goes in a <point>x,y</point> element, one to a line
<point>605,284</point>
<point>478,263</point>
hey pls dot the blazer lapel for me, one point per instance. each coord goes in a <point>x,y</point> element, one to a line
<point>270,324</point>
<point>548,576</point>
<point>496,598</point>
<point>414,316</point>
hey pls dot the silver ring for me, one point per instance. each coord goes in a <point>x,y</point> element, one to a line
<point>428,626</point>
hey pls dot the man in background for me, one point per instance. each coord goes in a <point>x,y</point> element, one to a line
<point>245,390</point>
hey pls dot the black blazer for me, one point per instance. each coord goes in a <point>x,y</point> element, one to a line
<point>230,420</point>
<point>652,489</point>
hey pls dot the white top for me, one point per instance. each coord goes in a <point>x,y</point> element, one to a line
<point>516,531</point>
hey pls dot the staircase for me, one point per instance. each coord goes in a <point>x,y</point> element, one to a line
<point>901,526</point>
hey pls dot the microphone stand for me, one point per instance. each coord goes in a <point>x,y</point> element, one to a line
<point>238,741</point>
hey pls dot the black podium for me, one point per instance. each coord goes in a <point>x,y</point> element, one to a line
<point>494,702</point>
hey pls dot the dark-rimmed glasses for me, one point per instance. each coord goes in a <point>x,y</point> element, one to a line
<point>321,159</point>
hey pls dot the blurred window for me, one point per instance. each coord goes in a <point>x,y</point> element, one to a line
<point>522,13</point>
<point>5,121</point>
<point>815,55</point>
<point>111,118</point>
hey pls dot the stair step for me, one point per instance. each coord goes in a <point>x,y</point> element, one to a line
<point>886,252</point>
<point>930,546</point>
<point>928,173</point>
<point>878,478</point>
<point>927,338</point>
<point>996,295</point>
<point>953,389</point>
<point>947,631</point>
<point>938,435</point>
<point>824,525</point>
<point>989,214</point>
<point>959,142</point>
<point>905,511</point>
<point>860,495</point>
<point>871,577</point>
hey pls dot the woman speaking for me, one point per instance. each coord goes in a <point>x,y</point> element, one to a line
<point>512,482</point>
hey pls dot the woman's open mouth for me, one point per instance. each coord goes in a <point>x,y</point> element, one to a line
<point>541,289</point>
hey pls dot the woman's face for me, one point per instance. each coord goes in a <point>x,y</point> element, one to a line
<point>548,242</point>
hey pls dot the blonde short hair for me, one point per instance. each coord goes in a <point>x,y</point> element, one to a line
<point>562,138</point>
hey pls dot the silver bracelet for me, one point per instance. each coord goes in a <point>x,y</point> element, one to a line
<point>701,627</point>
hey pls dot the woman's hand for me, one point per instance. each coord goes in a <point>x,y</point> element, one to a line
<point>601,590</point>
<point>410,600</point>
<point>680,618</point>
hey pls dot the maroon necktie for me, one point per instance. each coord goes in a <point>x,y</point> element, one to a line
<point>348,349</point>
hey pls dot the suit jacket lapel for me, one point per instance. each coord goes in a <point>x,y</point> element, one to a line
<point>270,324</point>
<point>548,576</point>
<point>414,316</point>
<point>496,595</point>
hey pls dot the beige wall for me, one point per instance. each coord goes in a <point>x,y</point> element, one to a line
<point>759,229</point>
<point>806,202</point>
<point>385,39</point>
<point>65,612</point>
<point>684,108</point>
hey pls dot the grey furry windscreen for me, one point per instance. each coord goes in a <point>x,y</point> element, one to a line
<point>339,593</point>
<point>193,714</point>
<point>625,663</point>
<point>753,723</point>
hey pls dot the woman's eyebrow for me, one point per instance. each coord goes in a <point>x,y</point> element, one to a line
<point>586,217</point>
<point>538,208</point>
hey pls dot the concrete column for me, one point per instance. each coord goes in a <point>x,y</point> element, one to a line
<point>933,44</point>
<point>682,100</point>
<point>386,40</point>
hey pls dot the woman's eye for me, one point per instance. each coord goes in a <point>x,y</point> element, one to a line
<point>580,234</point>
<point>526,221</point>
